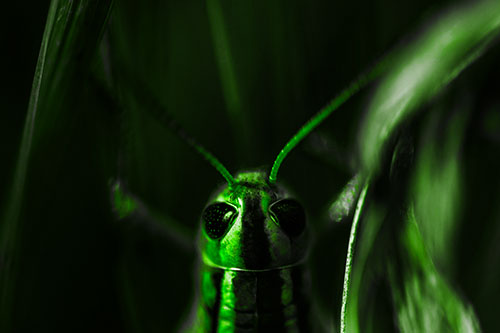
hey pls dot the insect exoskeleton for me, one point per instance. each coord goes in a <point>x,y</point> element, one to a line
<point>253,245</point>
<point>254,241</point>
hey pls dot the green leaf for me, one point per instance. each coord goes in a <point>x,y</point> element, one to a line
<point>72,33</point>
<point>423,69</point>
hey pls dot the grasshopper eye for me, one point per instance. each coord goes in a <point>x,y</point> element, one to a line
<point>289,215</point>
<point>217,218</point>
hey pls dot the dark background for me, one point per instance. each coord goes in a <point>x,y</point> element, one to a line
<point>80,270</point>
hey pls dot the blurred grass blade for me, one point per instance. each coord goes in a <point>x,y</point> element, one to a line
<point>423,69</point>
<point>437,187</point>
<point>424,300</point>
<point>234,106</point>
<point>72,31</point>
<point>12,209</point>
<point>344,203</point>
<point>373,219</point>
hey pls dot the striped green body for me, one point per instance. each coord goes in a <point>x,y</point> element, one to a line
<point>245,301</point>
<point>253,245</point>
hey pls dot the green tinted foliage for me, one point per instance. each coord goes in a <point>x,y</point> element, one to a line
<point>123,204</point>
<point>437,187</point>
<point>420,273</point>
<point>71,36</point>
<point>426,301</point>
<point>449,46</point>
<point>242,77</point>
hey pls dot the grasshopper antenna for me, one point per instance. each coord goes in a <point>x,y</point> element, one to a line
<point>159,112</point>
<point>191,142</point>
<point>319,117</point>
<point>164,118</point>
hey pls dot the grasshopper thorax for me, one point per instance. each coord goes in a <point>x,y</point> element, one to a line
<point>252,225</point>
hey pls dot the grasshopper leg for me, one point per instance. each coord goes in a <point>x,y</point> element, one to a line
<point>129,208</point>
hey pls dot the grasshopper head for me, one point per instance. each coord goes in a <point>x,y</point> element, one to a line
<point>252,225</point>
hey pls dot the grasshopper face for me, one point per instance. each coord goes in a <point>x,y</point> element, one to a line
<point>252,225</point>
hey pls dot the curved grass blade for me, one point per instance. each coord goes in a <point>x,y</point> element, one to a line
<point>453,43</point>
<point>437,186</point>
<point>423,298</point>
<point>72,28</point>
<point>10,218</point>
<point>350,255</point>
<point>373,218</point>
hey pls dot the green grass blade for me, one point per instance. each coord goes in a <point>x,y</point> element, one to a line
<point>424,300</point>
<point>231,89</point>
<point>67,47</point>
<point>451,44</point>
<point>437,187</point>
<point>10,218</point>
<point>350,255</point>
